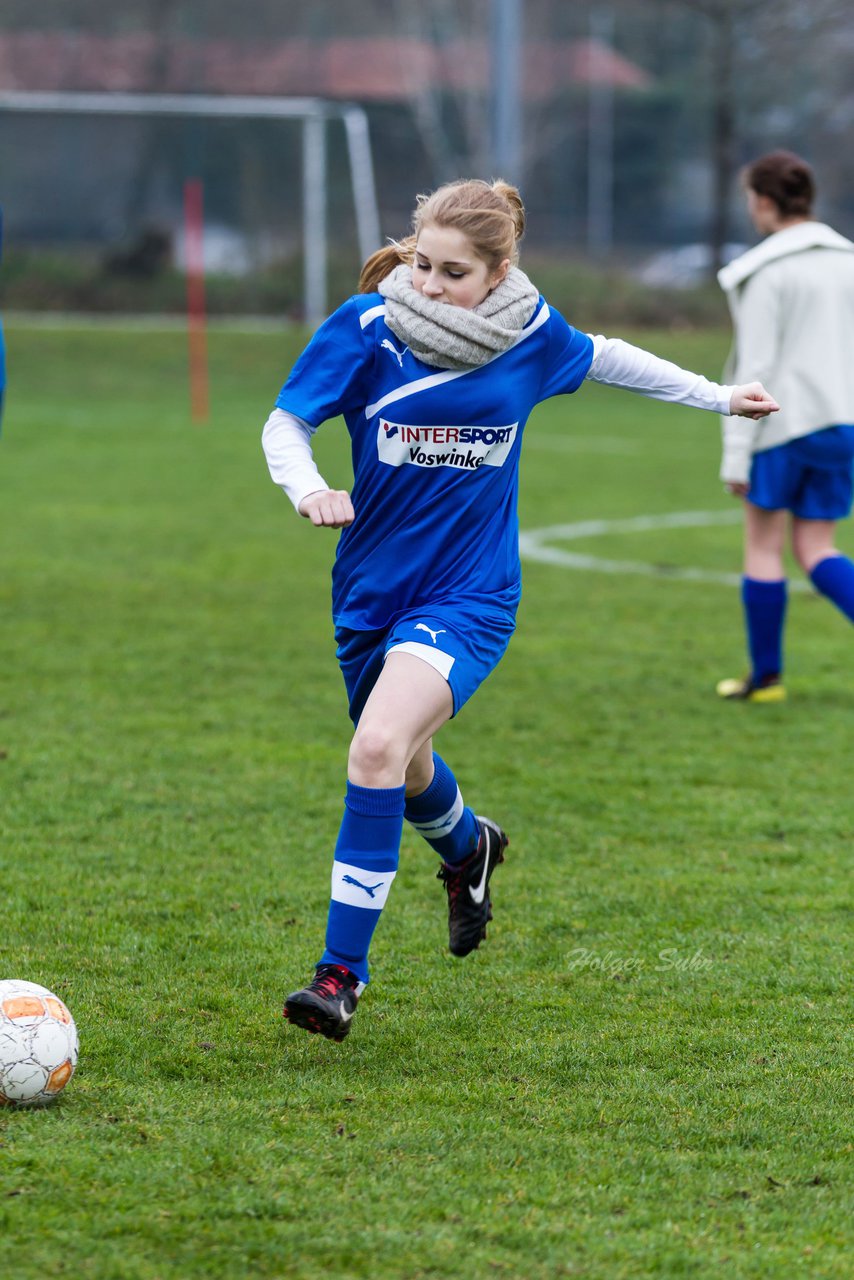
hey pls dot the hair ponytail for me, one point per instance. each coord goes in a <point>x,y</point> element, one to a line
<point>784,178</point>
<point>510,195</point>
<point>383,261</point>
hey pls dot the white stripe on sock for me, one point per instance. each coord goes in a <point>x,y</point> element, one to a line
<point>360,888</point>
<point>438,827</point>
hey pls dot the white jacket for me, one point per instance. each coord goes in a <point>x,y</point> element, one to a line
<point>792,303</point>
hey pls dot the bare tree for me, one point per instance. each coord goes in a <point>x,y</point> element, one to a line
<point>451,109</point>
<point>159,18</point>
<point>759,51</point>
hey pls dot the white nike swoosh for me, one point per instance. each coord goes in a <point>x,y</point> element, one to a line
<point>346,1014</point>
<point>479,893</point>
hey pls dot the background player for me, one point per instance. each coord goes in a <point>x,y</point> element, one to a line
<point>792,302</point>
<point>435,366</point>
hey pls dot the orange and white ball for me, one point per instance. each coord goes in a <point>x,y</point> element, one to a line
<point>38,1044</point>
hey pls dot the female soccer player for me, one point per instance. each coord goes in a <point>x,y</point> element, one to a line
<point>792,302</point>
<point>435,365</point>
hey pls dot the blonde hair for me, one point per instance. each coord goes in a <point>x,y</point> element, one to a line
<point>491,214</point>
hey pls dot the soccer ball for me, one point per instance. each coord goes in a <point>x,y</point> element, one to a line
<point>38,1044</point>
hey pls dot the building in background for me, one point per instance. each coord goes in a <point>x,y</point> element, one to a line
<point>634,118</point>
<point>96,180</point>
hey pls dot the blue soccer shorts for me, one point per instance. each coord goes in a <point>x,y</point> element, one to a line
<point>462,641</point>
<point>813,476</point>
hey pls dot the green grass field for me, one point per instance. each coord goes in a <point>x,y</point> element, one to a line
<point>645,1071</point>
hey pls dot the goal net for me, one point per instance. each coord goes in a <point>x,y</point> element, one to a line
<point>288,187</point>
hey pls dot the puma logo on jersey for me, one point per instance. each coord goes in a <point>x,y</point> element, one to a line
<point>419,626</point>
<point>398,355</point>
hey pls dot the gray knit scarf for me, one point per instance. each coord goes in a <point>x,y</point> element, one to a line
<point>454,337</point>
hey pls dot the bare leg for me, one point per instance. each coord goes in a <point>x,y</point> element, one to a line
<point>420,772</point>
<point>831,572</point>
<point>408,704</point>
<point>813,541</point>
<point>764,541</point>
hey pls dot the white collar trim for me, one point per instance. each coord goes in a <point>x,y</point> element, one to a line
<point>437,379</point>
<point>794,239</point>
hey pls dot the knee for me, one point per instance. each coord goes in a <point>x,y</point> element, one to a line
<point>807,559</point>
<point>808,552</point>
<point>375,757</point>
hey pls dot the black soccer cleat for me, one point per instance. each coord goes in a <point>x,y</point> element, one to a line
<point>326,1006</point>
<point>467,887</point>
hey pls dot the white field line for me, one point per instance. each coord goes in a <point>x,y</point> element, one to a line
<point>534,544</point>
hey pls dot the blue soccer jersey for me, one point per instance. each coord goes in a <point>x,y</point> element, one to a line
<point>435,458</point>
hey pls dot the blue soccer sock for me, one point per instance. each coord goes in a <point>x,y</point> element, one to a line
<point>764,614</point>
<point>439,815</point>
<point>366,858</point>
<point>834,577</point>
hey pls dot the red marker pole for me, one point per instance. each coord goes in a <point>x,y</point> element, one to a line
<point>196,327</point>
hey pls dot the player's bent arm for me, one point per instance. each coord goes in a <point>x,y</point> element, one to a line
<point>287,446</point>
<point>740,434</point>
<point>739,442</point>
<point>619,364</point>
<point>286,441</point>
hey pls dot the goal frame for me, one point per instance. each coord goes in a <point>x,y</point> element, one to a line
<point>314,115</point>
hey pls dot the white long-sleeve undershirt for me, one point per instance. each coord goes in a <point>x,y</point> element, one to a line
<point>619,364</point>
<point>287,439</point>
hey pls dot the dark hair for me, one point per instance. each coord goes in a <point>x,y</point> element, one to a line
<point>491,214</point>
<point>786,179</point>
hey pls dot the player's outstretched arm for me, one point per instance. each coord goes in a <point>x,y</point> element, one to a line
<point>328,508</point>
<point>619,364</point>
<point>751,400</point>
